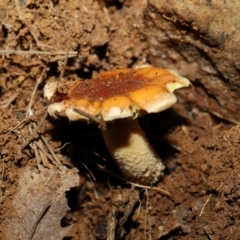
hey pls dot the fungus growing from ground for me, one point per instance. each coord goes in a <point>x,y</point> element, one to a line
<point>118,98</point>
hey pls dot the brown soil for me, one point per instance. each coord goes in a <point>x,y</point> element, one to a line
<point>57,180</point>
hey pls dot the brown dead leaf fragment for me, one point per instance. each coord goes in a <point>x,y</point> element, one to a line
<point>39,204</point>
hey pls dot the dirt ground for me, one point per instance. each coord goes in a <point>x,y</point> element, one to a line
<point>57,180</point>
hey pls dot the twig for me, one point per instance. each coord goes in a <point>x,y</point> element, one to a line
<point>44,157</point>
<point>39,44</point>
<point>164,192</point>
<point>149,227</point>
<point>83,186</point>
<point>33,52</point>
<point>89,171</point>
<point>98,155</point>
<point>1,180</point>
<point>145,219</point>
<point>140,205</point>
<point>102,124</point>
<point>44,151</point>
<point>219,186</point>
<point>60,148</point>
<point>111,225</point>
<point>34,134</point>
<point>95,193</point>
<point>207,233</point>
<point>28,112</point>
<point>205,204</point>
<point>49,156</point>
<point>208,199</point>
<point>34,147</point>
<point>37,112</point>
<point>64,64</point>
<point>13,129</point>
<point>151,188</point>
<point>58,163</point>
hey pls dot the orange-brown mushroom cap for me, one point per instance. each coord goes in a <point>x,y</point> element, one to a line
<point>121,93</point>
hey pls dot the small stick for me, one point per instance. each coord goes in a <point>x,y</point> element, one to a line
<point>111,225</point>
<point>53,154</point>
<point>98,155</point>
<point>164,192</point>
<point>151,188</point>
<point>95,191</point>
<point>34,134</point>
<point>208,199</point>
<point>219,186</point>
<point>145,218</point>
<point>43,156</point>
<point>102,124</point>
<point>89,171</point>
<point>36,39</point>
<point>49,156</point>
<point>32,52</point>
<point>1,180</point>
<point>60,148</point>
<point>44,151</point>
<point>28,112</point>
<point>140,205</point>
<point>64,64</point>
<point>205,204</point>
<point>13,129</point>
<point>207,233</point>
<point>149,227</point>
<point>34,147</point>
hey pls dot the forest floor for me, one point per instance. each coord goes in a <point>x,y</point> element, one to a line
<point>57,178</point>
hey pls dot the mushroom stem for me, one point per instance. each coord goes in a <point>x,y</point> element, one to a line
<point>135,157</point>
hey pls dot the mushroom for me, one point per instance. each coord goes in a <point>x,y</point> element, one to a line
<point>119,97</point>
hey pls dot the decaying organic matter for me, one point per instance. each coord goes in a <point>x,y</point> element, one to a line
<point>39,204</point>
